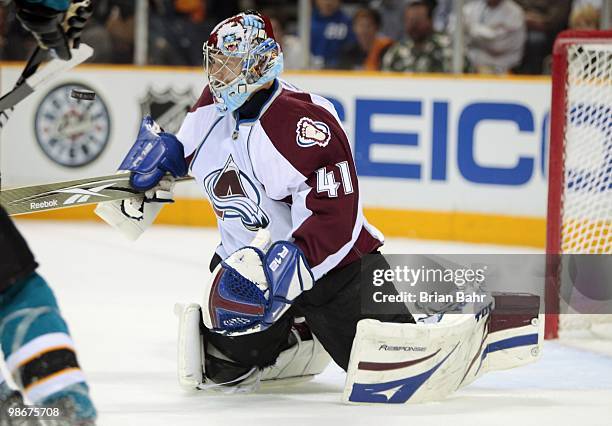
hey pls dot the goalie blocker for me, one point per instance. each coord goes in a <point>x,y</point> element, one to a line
<point>154,161</point>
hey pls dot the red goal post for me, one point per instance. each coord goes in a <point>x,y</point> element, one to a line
<point>582,68</point>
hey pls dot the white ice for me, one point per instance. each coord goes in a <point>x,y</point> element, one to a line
<point>118,298</point>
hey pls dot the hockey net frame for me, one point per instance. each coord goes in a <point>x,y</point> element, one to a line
<point>556,169</point>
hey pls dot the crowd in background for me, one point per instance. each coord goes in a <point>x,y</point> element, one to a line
<point>500,36</point>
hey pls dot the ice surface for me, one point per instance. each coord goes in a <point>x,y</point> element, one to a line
<point>118,298</point>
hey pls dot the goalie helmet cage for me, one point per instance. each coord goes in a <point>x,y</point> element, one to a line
<point>579,218</point>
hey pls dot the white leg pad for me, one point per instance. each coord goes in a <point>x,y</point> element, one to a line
<point>410,363</point>
<point>300,363</point>
<point>190,347</point>
<point>297,364</point>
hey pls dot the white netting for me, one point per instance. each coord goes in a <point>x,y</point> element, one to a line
<point>587,193</point>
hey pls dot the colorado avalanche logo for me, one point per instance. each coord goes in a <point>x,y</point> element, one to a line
<point>310,133</point>
<point>233,195</point>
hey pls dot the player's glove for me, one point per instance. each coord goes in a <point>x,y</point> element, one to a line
<point>154,160</point>
<point>58,30</point>
<point>45,25</point>
<point>255,286</point>
<point>55,29</point>
<point>153,155</point>
<point>76,17</point>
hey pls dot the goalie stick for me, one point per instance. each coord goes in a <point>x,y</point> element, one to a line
<point>73,193</point>
<point>10,99</point>
<point>31,77</point>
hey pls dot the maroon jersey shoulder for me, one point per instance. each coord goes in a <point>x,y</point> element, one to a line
<point>205,99</point>
<point>305,133</point>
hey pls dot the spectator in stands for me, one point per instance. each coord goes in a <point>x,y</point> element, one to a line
<point>544,20</point>
<point>585,17</point>
<point>495,35</point>
<point>97,36</point>
<point>218,10</point>
<point>391,15</point>
<point>424,50</point>
<point>177,31</point>
<point>120,25</point>
<point>293,53</point>
<point>579,4</point>
<point>3,29</point>
<point>443,12</point>
<point>366,52</point>
<point>330,30</point>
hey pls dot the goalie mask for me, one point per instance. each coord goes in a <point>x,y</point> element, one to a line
<point>240,56</point>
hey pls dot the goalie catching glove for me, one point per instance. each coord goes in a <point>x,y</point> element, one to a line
<point>155,160</point>
<point>255,286</point>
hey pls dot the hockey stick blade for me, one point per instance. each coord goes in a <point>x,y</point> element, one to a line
<point>32,65</point>
<point>52,69</point>
<point>80,192</point>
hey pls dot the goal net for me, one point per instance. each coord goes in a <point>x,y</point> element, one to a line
<point>579,219</point>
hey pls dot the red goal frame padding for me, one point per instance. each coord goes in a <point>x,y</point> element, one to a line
<point>556,169</point>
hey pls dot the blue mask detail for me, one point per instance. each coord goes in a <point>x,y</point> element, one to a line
<point>234,96</point>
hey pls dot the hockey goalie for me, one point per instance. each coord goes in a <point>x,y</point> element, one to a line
<point>296,250</point>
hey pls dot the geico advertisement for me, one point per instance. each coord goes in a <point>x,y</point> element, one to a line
<point>420,142</point>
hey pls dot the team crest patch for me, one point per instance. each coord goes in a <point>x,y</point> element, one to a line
<point>234,196</point>
<point>310,133</point>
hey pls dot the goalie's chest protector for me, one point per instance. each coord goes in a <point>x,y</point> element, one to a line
<point>222,163</point>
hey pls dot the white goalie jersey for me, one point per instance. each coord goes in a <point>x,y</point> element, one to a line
<point>285,166</point>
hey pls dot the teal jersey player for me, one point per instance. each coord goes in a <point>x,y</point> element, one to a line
<point>38,350</point>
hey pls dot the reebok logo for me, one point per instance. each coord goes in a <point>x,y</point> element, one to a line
<point>402,348</point>
<point>43,205</point>
<point>82,195</point>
